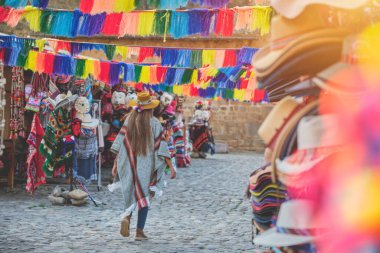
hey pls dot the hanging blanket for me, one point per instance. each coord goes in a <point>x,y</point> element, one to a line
<point>138,173</point>
<point>35,175</point>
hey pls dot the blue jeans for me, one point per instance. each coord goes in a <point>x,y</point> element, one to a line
<point>141,218</point>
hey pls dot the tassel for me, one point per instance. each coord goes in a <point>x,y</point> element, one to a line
<point>225,22</point>
<point>161,73</point>
<point>145,26</point>
<point>261,19</point>
<point>208,57</point>
<point>124,6</point>
<point>246,55</point>
<point>196,59</point>
<point>138,70</point>
<point>16,3</point>
<point>95,23</point>
<point>62,24</point>
<point>145,52</point>
<point>183,58</point>
<point>104,71</point>
<point>110,51</point>
<point>40,62</point>
<point>114,75</point>
<point>100,6</point>
<point>40,3</point>
<point>145,74</point>
<point>195,19</point>
<point>178,76</point>
<point>169,57</point>
<point>79,67</point>
<point>112,24</point>
<point>49,63</point>
<point>122,51</point>
<point>187,75</point>
<point>31,62</point>
<point>229,58</point>
<point>77,19</point>
<point>14,16</point>
<point>179,24</point>
<point>46,19</point>
<point>170,76</point>
<point>172,4</point>
<point>129,24</point>
<point>86,6</point>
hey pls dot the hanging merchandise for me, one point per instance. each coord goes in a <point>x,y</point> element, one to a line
<point>22,3</point>
<point>3,102</point>
<point>57,152</point>
<point>17,104</point>
<point>144,23</point>
<point>171,57</point>
<point>39,91</point>
<point>35,175</point>
<point>99,6</point>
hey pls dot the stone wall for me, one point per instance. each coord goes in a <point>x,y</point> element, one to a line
<point>235,123</point>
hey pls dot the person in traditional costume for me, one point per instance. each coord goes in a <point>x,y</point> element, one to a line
<point>142,155</point>
<point>199,131</point>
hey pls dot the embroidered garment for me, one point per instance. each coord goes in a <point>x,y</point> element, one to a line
<point>35,175</point>
<point>86,151</point>
<point>17,103</point>
<point>199,137</point>
<point>139,173</point>
<point>56,151</point>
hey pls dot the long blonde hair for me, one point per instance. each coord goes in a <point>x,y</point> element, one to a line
<point>140,131</point>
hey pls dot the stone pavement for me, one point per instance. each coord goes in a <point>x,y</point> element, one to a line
<point>203,210</point>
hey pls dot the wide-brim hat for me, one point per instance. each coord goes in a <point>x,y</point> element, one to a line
<point>290,37</point>
<point>295,226</point>
<point>281,147</point>
<point>276,119</point>
<point>341,79</point>
<point>267,60</point>
<point>317,138</point>
<point>145,101</point>
<point>293,8</point>
<point>302,66</point>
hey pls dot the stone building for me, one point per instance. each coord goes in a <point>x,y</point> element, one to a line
<point>233,123</point>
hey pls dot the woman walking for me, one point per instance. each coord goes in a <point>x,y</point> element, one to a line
<point>142,155</point>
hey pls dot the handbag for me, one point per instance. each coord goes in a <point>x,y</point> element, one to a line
<point>53,90</point>
<point>38,92</point>
<point>28,91</point>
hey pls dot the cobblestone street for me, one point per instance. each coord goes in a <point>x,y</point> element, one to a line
<point>203,210</point>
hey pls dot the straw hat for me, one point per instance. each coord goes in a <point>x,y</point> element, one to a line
<point>317,138</point>
<point>145,101</point>
<point>291,37</point>
<point>295,226</point>
<point>277,119</point>
<point>285,135</point>
<point>293,8</point>
<point>306,64</point>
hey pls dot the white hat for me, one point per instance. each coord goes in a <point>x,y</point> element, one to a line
<point>295,226</point>
<point>317,138</point>
<point>293,8</point>
<point>83,107</point>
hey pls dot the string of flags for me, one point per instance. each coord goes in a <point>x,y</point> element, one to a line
<point>236,82</point>
<point>178,24</point>
<point>109,6</point>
